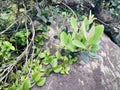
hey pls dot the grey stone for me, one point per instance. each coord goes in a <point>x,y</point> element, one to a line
<point>101,74</point>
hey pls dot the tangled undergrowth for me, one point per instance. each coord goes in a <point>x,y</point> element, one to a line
<point>23,27</point>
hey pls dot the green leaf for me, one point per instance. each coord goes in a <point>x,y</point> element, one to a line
<point>54,63</point>
<point>65,58</point>
<point>73,23</point>
<point>67,69</point>
<point>13,87</point>
<point>79,44</point>
<point>46,61</point>
<point>94,48</point>
<point>72,60</point>
<point>58,55</point>
<point>12,47</point>
<point>57,69</point>
<point>26,84</point>
<point>43,18</point>
<point>91,18</point>
<point>91,32</point>
<point>98,33</point>
<point>62,71</point>
<point>8,44</point>
<point>70,47</point>
<point>41,81</point>
<point>22,10</point>
<point>41,43</point>
<point>74,26</point>
<point>42,55</point>
<point>84,56</point>
<point>64,38</point>
<point>94,55</point>
<point>83,30</point>
<point>54,1</point>
<point>35,76</point>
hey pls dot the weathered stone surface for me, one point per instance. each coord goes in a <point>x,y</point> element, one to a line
<point>105,16</point>
<point>102,74</point>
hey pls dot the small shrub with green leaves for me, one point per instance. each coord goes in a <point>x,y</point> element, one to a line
<point>84,37</point>
<point>31,73</point>
<point>21,37</point>
<point>25,85</point>
<point>40,38</point>
<point>36,70</point>
<point>58,63</point>
<point>5,50</point>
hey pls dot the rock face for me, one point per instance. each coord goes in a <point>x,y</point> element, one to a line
<point>101,74</point>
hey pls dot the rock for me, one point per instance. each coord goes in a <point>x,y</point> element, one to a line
<point>101,74</point>
<point>113,31</point>
<point>105,16</point>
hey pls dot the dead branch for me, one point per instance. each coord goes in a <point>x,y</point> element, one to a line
<point>11,25</point>
<point>6,71</point>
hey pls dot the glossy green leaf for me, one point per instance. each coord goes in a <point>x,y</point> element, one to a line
<point>22,10</point>
<point>8,44</point>
<point>67,69</point>
<point>64,38</point>
<point>54,1</point>
<point>54,62</point>
<point>91,18</point>
<point>73,23</point>
<point>84,56</point>
<point>26,84</point>
<point>58,54</point>
<point>35,76</point>
<point>70,47</point>
<point>42,55</point>
<point>72,60</point>
<point>57,69</point>
<point>98,33</point>
<point>91,32</point>
<point>13,87</point>
<point>94,55</point>
<point>41,81</point>
<point>78,44</point>
<point>83,30</point>
<point>94,48</point>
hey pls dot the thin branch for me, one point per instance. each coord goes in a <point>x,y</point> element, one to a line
<point>26,26</point>
<point>70,9</point>
<point>11,25</point>
<point>14,22</point>
<point>5,73</point>
<point>19,58</point>
<point>33,34</point>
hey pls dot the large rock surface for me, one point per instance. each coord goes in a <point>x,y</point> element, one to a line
<point>101,74</point>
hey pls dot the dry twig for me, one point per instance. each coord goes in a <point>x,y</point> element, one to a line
<point>6,71</point>
<point>11,25</point>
